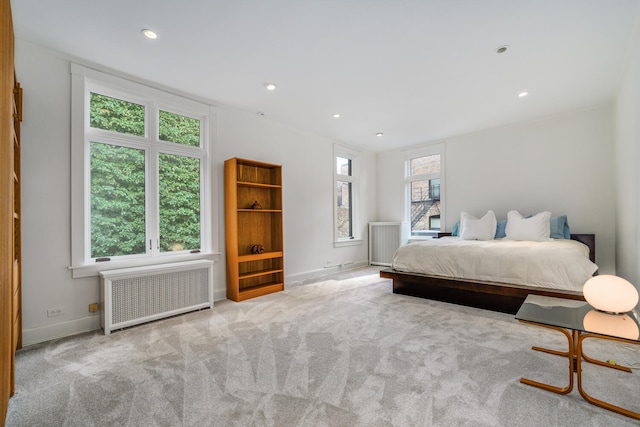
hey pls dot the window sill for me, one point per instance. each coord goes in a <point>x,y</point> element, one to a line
<point>351,242</point>
<point>92,270</point>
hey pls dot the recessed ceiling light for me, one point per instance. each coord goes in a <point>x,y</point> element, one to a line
<point>502,49</point>
<point>149,34</point>
<point>336,116</point>
<point>379,134</point>
<point>523,94</point>
<point>270,86</point>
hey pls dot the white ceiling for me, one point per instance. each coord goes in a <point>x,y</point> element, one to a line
<point>417,70</point>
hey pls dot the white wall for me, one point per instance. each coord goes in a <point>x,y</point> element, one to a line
<point>307,169</point>
<point>307,192</point>
<point>46,202</point>
<point>563,164</point>
<point>627,154</point>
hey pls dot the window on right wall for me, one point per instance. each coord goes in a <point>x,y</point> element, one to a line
<point>424,184</point>
<point>346,165</point>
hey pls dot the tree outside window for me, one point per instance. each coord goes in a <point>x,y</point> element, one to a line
<point>124,172</point>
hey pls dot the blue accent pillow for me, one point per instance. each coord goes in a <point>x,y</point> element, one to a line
<point>560,227</point>
<point>501,229</point>
<point>455,229</point>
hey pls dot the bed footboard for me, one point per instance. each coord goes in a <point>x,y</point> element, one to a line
<point>486,295</point>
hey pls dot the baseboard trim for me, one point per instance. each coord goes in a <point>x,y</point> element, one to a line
<point>60,330</point>
<point>313,274</point>
<point>91,323</point>
<point>219,295</point>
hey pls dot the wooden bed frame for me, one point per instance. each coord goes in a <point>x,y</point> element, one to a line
<point>475,293</point>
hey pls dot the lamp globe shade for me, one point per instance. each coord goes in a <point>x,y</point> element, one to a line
<point>614,325</point>
<point>610,293</point>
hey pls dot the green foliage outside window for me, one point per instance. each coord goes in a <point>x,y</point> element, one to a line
<point>116,115</point>
<point>179,129</point>
<point>118,217</point>
<point>117,201</point>
<point>179,203</point>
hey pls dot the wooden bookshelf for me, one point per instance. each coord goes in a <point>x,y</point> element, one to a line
<point>10,211</point>
<point>16,279</point>
<point>250,274</point>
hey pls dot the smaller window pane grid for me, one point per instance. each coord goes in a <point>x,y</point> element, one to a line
<point>425,195</point>
<point>179,129</point>
<point>117,200</point>
<point>343,166</point>
<point>425,165</point>
<point>116,115</point>
<point>344,211</point>
<point>425,217</point>
<point>179,203</point>
<point>423,190</point>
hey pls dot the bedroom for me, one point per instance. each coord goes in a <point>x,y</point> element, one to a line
<point>577,147</point>
<point>580,161</point>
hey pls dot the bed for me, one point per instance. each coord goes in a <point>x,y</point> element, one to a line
<point>505,295</point>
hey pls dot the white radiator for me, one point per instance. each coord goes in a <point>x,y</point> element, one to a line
<point>131,296</point>
<point>384,239</point>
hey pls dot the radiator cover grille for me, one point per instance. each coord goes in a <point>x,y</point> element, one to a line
<point>384,239</point>
<point>137,295</point>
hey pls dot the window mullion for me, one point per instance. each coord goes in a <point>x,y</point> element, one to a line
<point>153,223</point>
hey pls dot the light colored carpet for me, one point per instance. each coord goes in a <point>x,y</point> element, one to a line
<point>335,353</point>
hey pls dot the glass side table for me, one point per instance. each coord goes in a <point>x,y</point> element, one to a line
<point>578,321</point>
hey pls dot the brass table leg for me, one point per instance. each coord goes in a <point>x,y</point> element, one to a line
<point>605,364</point>
<point>584,394</point>
<point>569,354</point>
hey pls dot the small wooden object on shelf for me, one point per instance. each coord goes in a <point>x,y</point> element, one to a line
<point>251,274</point>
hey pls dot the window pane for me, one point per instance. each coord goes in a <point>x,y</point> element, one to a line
<point>179,203</point>
<point>117,201</point>
<point>344,166</point>
<point>345,219</point>
<point>179,129</point>
<point>425,165</point>
<point>434,222</point>
<point>425,206</point>
<point>419,190</point>
<point>116,115</point>
<point>434,189</point>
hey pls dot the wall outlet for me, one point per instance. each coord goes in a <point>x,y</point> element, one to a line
<point>93,307</point>
<point>59,311</point>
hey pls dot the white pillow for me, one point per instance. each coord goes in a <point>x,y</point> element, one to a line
<point>536,228</point>
<point>472,228</point>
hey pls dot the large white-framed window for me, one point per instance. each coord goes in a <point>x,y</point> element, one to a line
<point>346,200</point>
<point>140,174</point>
<point>424,190</point>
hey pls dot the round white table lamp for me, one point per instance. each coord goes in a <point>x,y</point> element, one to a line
<point>611,294</point>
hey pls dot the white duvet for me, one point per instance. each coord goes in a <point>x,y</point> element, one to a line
<point>556,264</point>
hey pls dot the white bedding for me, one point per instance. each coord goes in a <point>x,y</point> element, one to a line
<point>556,264</point>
